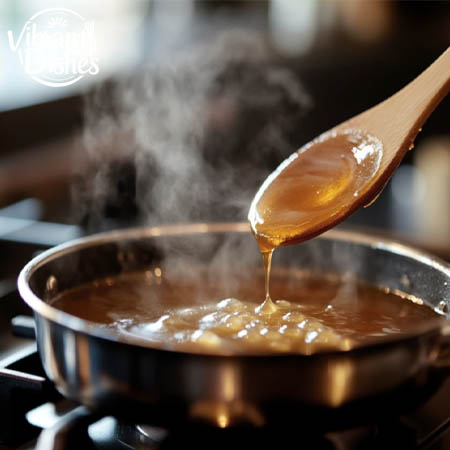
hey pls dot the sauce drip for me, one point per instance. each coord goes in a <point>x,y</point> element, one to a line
<point>313,189</point>
<point>268,305</point>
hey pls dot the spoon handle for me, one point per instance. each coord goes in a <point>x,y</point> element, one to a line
<point>398,119</point>
<point>419,98</point>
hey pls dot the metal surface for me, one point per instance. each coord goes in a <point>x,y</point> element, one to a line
<point>116,374</point>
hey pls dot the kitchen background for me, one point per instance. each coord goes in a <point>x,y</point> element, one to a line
<point>197,101</point>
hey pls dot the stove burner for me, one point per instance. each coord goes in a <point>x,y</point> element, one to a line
<point>110,434</point>
<point>203,438</point>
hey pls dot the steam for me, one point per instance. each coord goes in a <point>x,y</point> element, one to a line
<point>190,139</point>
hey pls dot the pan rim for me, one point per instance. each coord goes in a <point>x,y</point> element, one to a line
<point>84,326</point>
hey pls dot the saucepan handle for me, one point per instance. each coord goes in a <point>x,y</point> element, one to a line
<point>23,326</point>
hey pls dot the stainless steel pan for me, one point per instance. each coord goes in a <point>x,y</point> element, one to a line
<point>115,374</point>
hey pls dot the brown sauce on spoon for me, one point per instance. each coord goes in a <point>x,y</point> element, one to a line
<point>311,190</point>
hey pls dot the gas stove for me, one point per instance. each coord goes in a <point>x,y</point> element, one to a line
<point>33,415</point>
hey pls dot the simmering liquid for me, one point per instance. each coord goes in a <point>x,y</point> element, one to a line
<point>312,189</point>
<point>188,314</point>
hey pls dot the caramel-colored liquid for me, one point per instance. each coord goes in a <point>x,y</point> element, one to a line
<point>312,190</point>
<point>170,312</point>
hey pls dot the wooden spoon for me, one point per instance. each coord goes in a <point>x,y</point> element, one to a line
<point>347,167</point>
